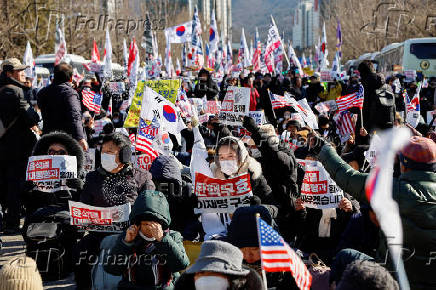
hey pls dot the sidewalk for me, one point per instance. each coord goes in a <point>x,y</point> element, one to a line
<point>14,247</point>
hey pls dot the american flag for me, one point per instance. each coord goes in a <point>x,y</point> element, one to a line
<point>144,138</point>
<point>132,138</point>
<point>92,100</point>
<point>278,102</point>
<point>277,256</point>
<point>351,100</point>
<point>411,105</point>
<point>346,123</point>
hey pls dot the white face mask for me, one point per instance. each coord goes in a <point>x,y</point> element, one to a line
<point>145,237</point>
<point>211,282</point>
<point>108,162</point>
<point>229,167</point>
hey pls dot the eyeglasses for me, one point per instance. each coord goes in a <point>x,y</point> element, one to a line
<point>57,152</point>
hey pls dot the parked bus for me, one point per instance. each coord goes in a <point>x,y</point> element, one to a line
<point>413,54</point>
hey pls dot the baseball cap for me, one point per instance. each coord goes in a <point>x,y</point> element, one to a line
<point>13,64</point>
<point>419,154</point>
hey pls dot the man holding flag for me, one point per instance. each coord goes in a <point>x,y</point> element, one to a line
<point>415,193</point>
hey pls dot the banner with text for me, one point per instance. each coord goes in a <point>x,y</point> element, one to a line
<point>318,189</point>
<point>221,195</point>
<point>49,173</point>
<point>235,106</point>
<point>99,219</point>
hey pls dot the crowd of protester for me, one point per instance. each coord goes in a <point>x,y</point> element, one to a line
<point>342,247</point>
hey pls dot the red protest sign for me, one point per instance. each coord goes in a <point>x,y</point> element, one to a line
<point>222,195</point>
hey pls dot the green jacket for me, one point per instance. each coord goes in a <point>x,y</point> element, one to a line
<point>157,263</point>
<point>415,193</point>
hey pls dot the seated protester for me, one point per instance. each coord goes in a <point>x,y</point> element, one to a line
<point>112,183</point>
<point>159,251</point>
<point>109,185</point>
<point>232,159</point>
<point>219,267</point>
<point>56,143</point>
<point>166,174</point>
<point>323,228</point>
<point>280,171</point>
<point>361,232</point>
<point>244,235</point>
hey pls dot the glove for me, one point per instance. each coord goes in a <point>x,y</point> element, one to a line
<point>315,143</point>
<point>249,124</point>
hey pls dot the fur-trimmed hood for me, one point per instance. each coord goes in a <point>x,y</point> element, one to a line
<point>248,164</point>
<point>73,147</point>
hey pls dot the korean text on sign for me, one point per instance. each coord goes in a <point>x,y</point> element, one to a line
<point>222,196</point>
<point>318,189</point>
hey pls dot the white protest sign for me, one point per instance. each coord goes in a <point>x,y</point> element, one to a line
<point>410,75</point>
<point>90,160</point>
<point>235,106</point>
<point>413,118</point>
<point>371,154</point>
<point>326,76</point>
<point>49,173</point>
<point>213,107</point>
<point>143,161</point>
<point>318,189</point>
<point>258,116</point>
<point>117,87</point>
<point>221,196</point>
<point>99,219</point>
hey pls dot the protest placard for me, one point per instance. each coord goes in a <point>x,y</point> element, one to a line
<point>318,189</point>
<point>49,173</point>
<point>117,87</point>
<point>143,161</point>
<point>235,106</point>
<point>99,219</point>
<point>410,75</point>
<point>221,196</point>
<point>258,116</point>
<point>326,76</point>
<point>213,107</point>
<point>166,88</point>
<point>89,164</point>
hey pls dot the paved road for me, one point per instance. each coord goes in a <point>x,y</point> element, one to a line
<point>13,246</point>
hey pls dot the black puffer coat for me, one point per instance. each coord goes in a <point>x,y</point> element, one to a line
<point>17,143</point>
<point>61,111</point>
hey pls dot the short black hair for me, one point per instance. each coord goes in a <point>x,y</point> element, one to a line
<point>365,274</point>
<point>63,72</point>
<point>119,139</point>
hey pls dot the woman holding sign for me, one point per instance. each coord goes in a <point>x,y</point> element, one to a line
<point>232,160</point>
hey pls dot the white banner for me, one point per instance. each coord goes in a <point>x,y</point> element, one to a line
<point>99,219</point>
<point>50,173</point>
<point>235,106</point>
<point>318,189</point>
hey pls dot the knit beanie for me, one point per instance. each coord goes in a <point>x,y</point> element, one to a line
<point>20,274</point>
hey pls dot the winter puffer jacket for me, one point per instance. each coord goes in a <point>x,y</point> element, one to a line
<point>158,263</point>
<point>35,199</point>
<point>105,189</point>
<point>17,143</point>
<point>61,111</point>
<point>415,193</point>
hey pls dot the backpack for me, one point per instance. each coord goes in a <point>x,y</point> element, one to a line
<point>49,241</point>
<point>383,112</point>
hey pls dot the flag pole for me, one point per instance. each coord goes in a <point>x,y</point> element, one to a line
<point>361,118</point>
<point>260,249</point>
<point>284,50</point>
